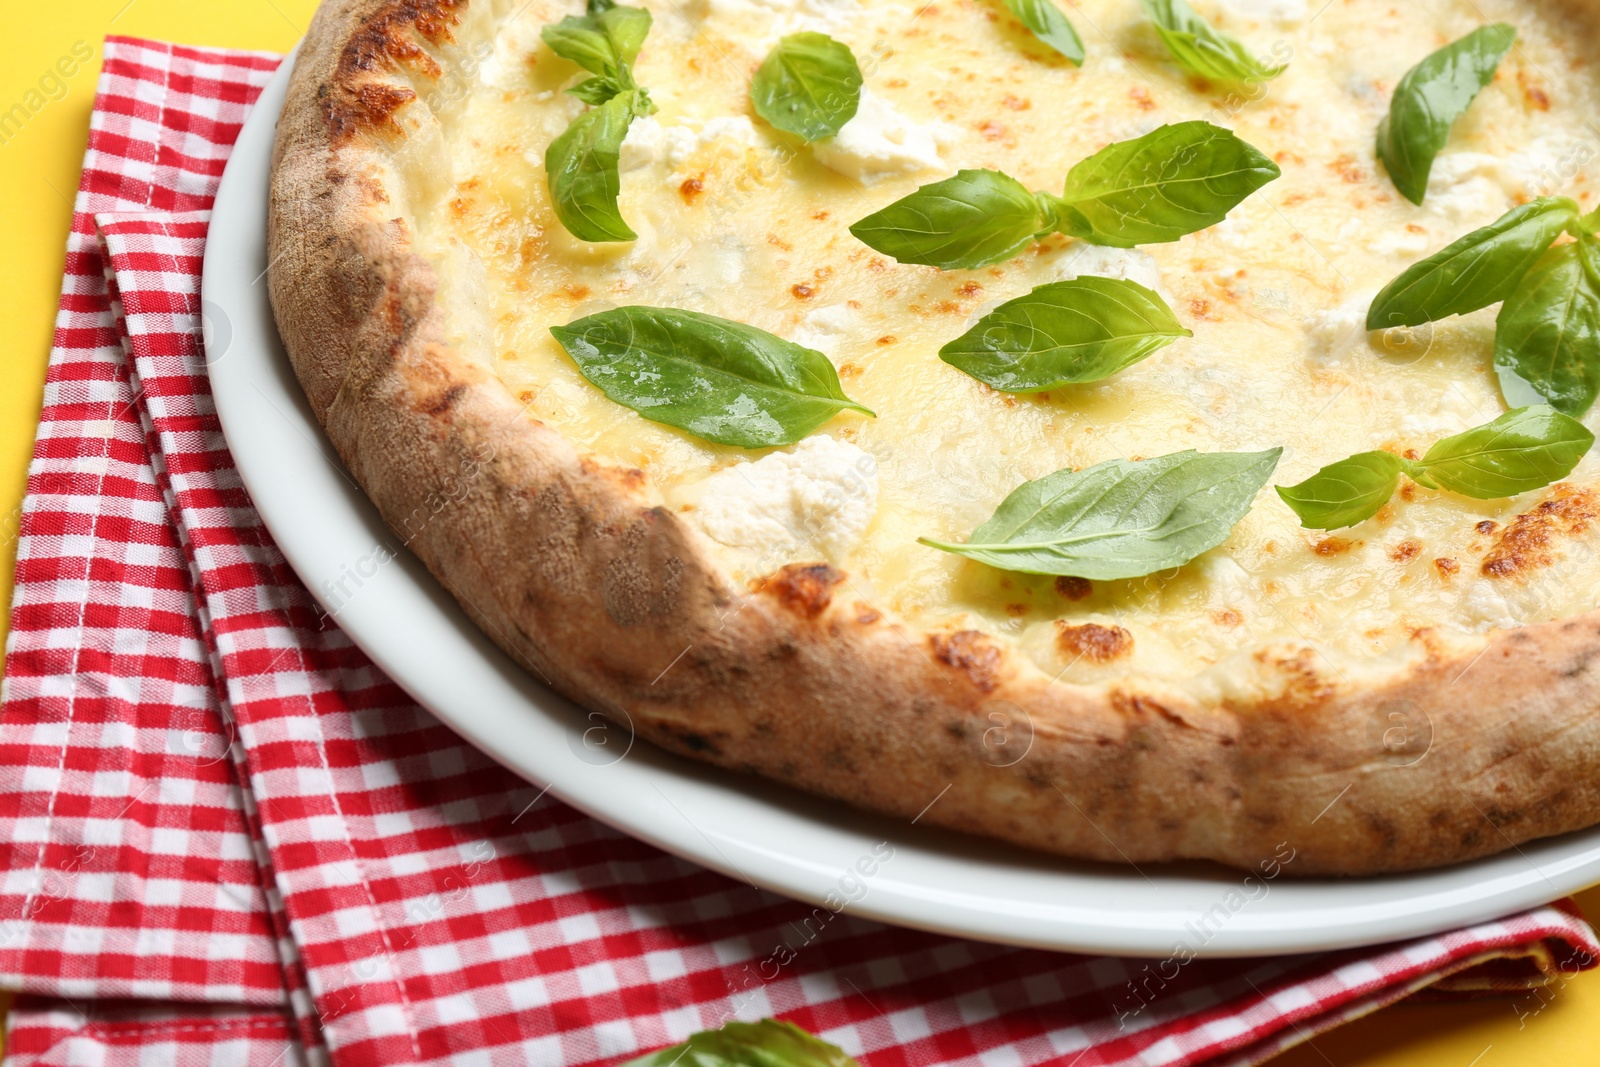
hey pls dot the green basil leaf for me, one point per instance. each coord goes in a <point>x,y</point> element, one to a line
<point>1081,330</point>
<point>603,42</point>
<point>1121,518</point>
<point>1480,269</point>
<point>1547,336</point>
<point>1046,22</point>
<point>768,1043</point>
<point>1588,225</point>
<point>1429,99</point>
<point>974,219</point>
<point>1344,493</point>
<point>809,86</point>
<point>581,166</point>
<point>596,91</point>
<point>1519,452</point>
<point>627,27</point>
<point>1201,50</point>
<point>1172,181</point>
<point>579,38</point>
<point>1156,188</point>
<point>718,379</point>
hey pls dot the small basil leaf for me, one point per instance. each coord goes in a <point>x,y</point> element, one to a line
<point>718,379</point>
<point>1046,22</point>
<point>974,219</point>
<point>1201,50</point>
<point>1081,330</point>
<point>1480,269</point>
<point>1120,519</point>
<point>1172,181</point>
<point>1429,99</point>
<point>581,166</point>
<point>1587,225</point>
<point>809,86</point>
<point>1417,472</point>
<point>596,91</point>
<point>1519,452</point>
<point>1547,336</point>
<point>579,38</point>
<point>604,42</point>
<point>768,1043</point>
<point>1344,493</point>
<point>627,27</point>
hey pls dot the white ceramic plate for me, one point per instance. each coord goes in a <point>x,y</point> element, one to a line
<point>750,829</point>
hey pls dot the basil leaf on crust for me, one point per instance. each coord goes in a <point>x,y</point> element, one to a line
<point>1120,518</point>
<point>1080,330</point>
<point>583,169</point>
<point>1346,492</point>
<point>1173,181</point>
<point>604,42</point>
<point>715,378</point>
<point>809,86</point>
<point>581,165</point>
<point>1200,49</point>
<point>1547,335</point>
<point>1153,189</point>
<point>973,219</point>
<point>1521,451</point>
<point>1475,271</point>
<point>1429,99</point>
<point>1047,22</point>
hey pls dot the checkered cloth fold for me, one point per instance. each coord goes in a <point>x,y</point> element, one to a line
<point>227,838</point>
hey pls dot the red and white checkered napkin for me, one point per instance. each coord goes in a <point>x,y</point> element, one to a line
<point>226,838</point>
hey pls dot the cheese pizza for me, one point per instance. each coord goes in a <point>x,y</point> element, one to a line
<point>1124,429</point>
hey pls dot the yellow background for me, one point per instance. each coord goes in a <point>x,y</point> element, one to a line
<point>38,176</point>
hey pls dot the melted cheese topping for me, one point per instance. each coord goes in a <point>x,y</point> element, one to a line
<point>737,220</point>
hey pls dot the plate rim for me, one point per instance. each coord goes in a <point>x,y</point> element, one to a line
<point>940,894</point>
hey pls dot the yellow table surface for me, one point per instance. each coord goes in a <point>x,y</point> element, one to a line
<point>38,175</point>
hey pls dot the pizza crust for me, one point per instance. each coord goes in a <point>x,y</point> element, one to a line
<point>1473,746</point>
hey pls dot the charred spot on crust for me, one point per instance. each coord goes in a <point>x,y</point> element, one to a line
<point>1099,644</point>
<point>1073,588</point>
<point>1446,566</point>
<point>804,588</point>
<point>688,740</point>
<point>379,101</point>
<point>384,43</point>
<point>971,653</point>
<point>1381,826</point>
<point>1580,664</point>
<point>444,401</point>
<point>1526,543</point>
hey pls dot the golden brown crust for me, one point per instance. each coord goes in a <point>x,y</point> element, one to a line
<point>1466,751</point>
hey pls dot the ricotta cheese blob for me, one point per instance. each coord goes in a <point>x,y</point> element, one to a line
<point>739,220</point>
<point>811,503</point>
<point>879,142</point>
